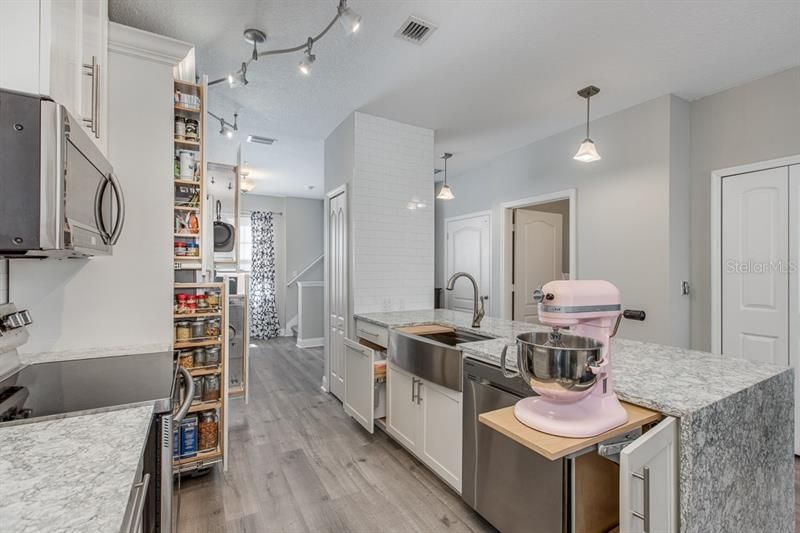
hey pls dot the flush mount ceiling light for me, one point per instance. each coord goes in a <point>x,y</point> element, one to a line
<point>308,59</point>
<point>349,19</point>
<point>445,193</point>
<point>587,151</point>
<point>227,129</point>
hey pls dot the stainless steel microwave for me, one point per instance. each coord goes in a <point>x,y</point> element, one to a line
<point>59,196</point>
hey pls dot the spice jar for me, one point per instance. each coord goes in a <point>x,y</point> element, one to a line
<point>213,328</point>
<point>180,303</point>
<point>183,331</point>
<point>212,298</point>
<point>198,328</point>
<point>186,359</point>
<point>198,389</point>
<point>212,355</point>
<point>211,388</point>
<point>191,129</point>
<point>180,128</point>
<point>202,304</point>
<point>200,357</point>
<point>191,303</point>
<point>208,431</point>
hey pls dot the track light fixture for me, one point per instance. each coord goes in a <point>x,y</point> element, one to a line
<point>238,78</point>
<point>587,151</point>
<point>350,20</point>
<point>308,60</point>
<point>227,129</point>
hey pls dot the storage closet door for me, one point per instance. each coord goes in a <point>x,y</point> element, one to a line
<point>794,292</point>
<point>648,484</point>
<point>755,274</point>
<point>337,287</point>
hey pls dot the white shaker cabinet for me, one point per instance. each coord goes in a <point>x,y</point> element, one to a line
<point>359,389</point>
<point>58,49</point>
<point>426,419</point>
<point>648,491</point>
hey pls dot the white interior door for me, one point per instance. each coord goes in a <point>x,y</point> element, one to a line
<point>537,258</point>
<point>337,287</point>
<point>794,292</point>
<point>755,266</point>
<point>469,249</point>
<point>648,484</point>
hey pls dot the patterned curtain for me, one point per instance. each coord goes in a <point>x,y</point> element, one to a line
<point>263,315</point>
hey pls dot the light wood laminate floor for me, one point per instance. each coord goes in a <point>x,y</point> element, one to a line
<point>298,463</point>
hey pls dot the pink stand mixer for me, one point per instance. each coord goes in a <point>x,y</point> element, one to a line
<point>571,371</point>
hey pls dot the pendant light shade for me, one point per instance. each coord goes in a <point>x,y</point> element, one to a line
<point>587,151</point>
<point>445,193</point>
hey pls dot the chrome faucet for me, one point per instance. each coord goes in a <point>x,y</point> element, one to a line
<point>477,303</point>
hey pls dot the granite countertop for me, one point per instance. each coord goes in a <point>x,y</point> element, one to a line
<point>74,473</point>
<point>671,380</point>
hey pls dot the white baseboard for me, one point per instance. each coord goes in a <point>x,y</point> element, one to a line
<point>310,343</point>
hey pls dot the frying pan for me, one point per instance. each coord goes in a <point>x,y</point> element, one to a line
<point>224,233</point>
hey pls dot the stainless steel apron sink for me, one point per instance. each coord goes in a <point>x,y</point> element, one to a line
<point>431,355</point>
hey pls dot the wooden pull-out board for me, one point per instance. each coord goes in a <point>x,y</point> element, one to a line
<point>426,330</point>
<point>552,446</point>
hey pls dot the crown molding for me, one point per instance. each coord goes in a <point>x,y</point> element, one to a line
<point>145,45</point>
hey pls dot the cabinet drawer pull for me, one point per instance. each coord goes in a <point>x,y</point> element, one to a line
<point>644,516</point>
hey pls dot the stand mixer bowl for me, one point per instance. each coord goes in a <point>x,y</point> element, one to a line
<point>558,366</point>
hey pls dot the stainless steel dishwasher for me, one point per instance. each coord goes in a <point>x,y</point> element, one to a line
<point>513,488</point>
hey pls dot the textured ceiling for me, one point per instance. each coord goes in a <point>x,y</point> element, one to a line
<point>496,75</point>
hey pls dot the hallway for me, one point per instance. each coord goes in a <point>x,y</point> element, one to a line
<point>298,463</point>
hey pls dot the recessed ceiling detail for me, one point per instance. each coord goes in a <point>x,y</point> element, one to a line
<point>415,30</point>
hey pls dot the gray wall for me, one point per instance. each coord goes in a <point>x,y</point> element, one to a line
<point>624,226</point>
<point>754,122</point>
<point>560,207</point>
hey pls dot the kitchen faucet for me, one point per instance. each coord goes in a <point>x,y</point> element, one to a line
<point>477,303</point>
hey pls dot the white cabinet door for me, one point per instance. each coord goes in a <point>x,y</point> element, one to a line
<point>440,445</point>
<point>469,249</point>
<point>537,258</point>
<point>402,410</point>
<point>60,64</point>
<point>92,95</point>
<point>359,383</point>
<point>19,45</point>
<point>755,274</point>
<point>648,485</point>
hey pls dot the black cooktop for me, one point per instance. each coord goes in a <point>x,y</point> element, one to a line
<point>61,387</point>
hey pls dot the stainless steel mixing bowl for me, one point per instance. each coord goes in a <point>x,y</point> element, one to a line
<point>557,365</point>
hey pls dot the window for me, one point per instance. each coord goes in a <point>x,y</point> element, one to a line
<point>245,244</point>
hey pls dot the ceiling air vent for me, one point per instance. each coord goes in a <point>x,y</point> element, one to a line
<point>259,140</point>
<point>415,30</point>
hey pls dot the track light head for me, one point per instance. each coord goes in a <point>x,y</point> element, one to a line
<point>238,79</point>
<point>350,20</point>
<point>308,58</point>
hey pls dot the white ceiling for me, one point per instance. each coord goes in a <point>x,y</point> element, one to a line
<point>496,75</point>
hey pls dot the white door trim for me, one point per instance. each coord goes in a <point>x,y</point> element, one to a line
<point>505,245</point>
<point>488,212</point>
<point>326,305</point>
<point>716,236</point>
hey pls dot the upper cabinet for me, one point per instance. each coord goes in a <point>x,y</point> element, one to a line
<point>59,49</point>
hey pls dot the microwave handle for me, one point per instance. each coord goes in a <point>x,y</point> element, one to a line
<point>120,222</point>
<point>98,210</point>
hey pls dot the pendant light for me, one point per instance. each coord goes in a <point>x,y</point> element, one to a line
<point>587,151</point>
<point>445,193</point>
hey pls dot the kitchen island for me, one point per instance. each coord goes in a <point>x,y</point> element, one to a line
<point>71,473</point>
<point>736,421</point>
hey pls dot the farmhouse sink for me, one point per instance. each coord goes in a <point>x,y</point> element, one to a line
<point>431,352</point>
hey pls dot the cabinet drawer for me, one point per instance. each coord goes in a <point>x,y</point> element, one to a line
<point>375,334</point>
